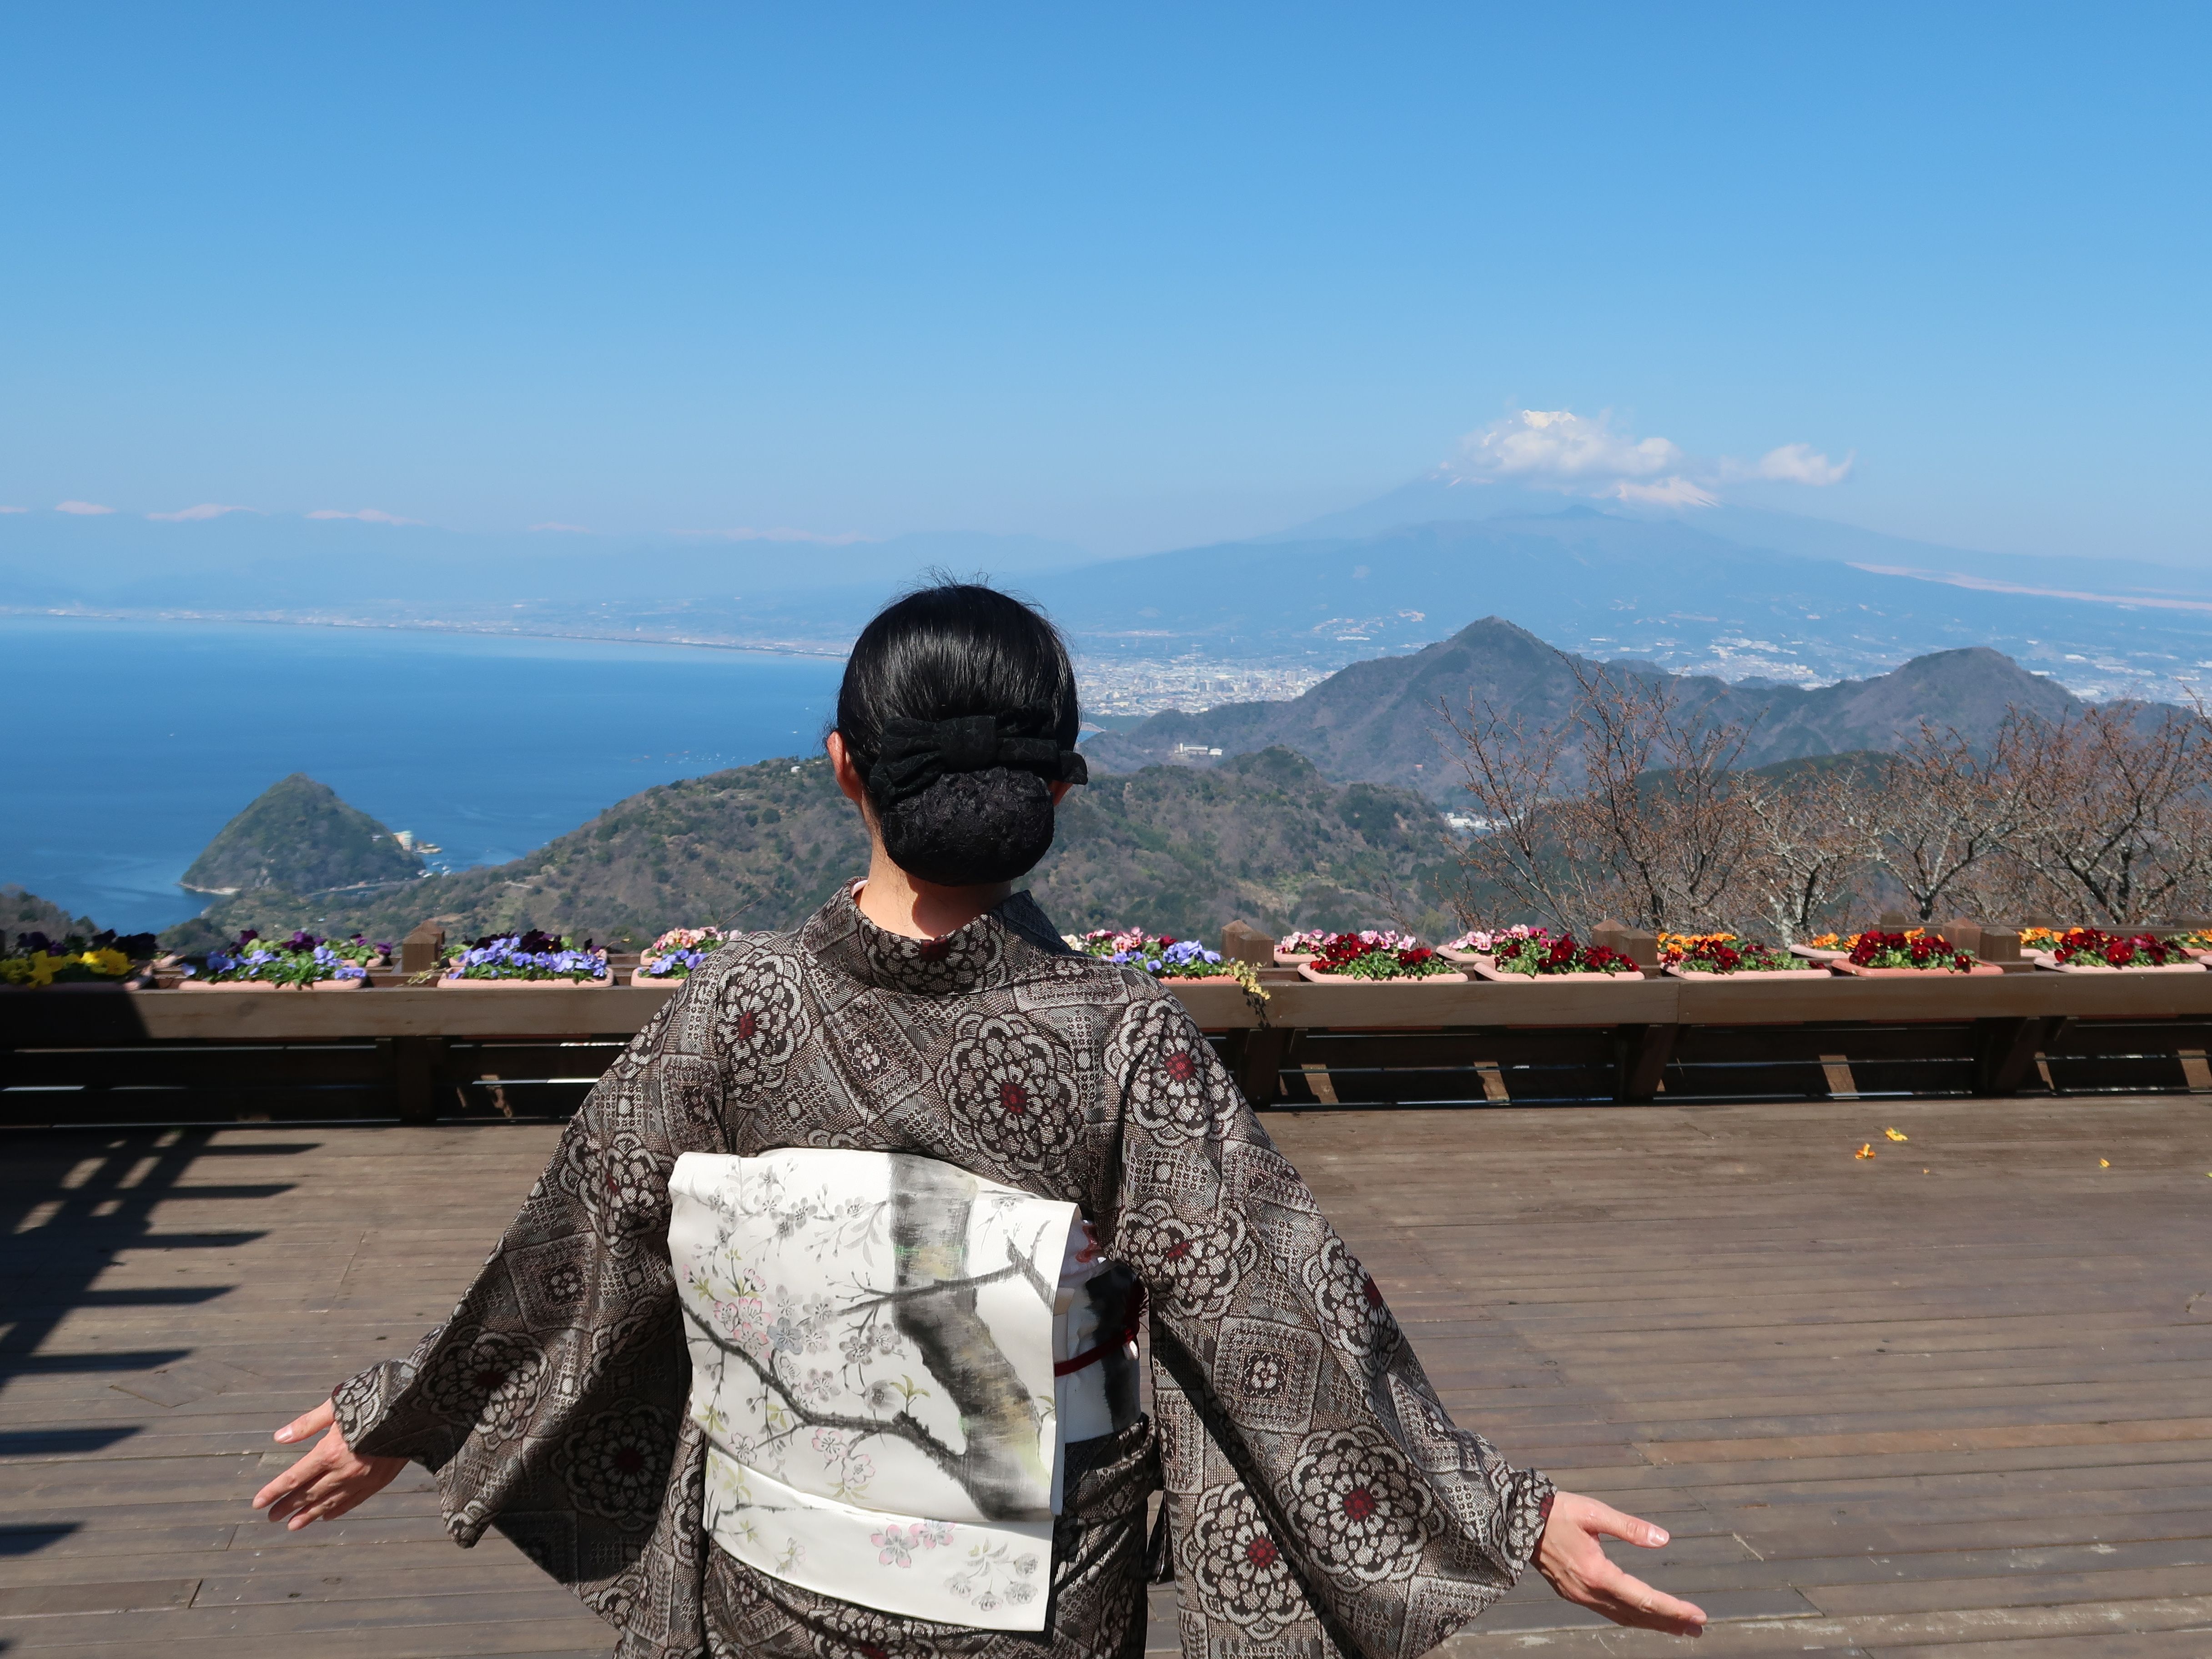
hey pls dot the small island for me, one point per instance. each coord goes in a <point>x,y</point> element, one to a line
<point>297,836</point>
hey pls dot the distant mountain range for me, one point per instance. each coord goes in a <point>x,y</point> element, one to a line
<point>1731,591</point>
<point>1606,585</point>
<point>1379,722</point>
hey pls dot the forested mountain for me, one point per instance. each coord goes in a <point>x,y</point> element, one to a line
<point>1378,721</point>
<point>297,836</point>
<point>23,912</point>
<point>1266,839</point>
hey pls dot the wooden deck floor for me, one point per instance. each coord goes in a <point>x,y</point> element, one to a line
<point>1884,1412</point>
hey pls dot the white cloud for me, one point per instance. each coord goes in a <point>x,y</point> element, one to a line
<point>781,533</point>
<point>1676,491</point>
<point>15,509</point>
<point>81,509</point>
<point>575,529</point>
<point>1584,455</point>
<point>1550,445</point>
<point>367,515</point>
<point>194,514</point>
<point>1802,464</point>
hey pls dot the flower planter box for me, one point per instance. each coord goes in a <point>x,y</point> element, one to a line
<point>1172,979</point>
<point>1293,959</point>
<point>1468,958</point>
<point>1815,953</point>
<point>2044,960</point>
<point>267,985</point>
<point>638,976</point>
<point>454,982</point>
<point>1979,970</point>
<point>1747,975</point>
<point>1485,968</point>
<point>1306,970</point>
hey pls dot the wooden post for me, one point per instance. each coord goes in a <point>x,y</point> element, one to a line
<point>415,1065</point>
<point>422,950</point>
<point>2000,945</point>
<point>1640,1057</point>
<point>1639,945</point>
<point>1967,935</point>
<point>1258,1065</point>
<point>1241,942</point>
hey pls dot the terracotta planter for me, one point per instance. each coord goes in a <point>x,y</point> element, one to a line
<point>1202,979</point>
<point>1751,973</point>
<point>1487,969</point>
<point>638,976</point>
<point>1306,970</point>
<point>264,985</point>
<point>1468,958</point>
<point>454,982</point>
<point>1979,970</point>
<point>2046,960</point>
<point>1813,953</point>
<point>1293,959</point>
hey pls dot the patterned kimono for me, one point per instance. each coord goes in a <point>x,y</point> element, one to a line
<point>1319,1501</point>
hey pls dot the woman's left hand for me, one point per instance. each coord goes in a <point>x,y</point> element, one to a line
<point>329,1481</point>
<point>1570,1555</point>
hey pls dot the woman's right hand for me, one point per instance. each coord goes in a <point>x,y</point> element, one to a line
<point>329,1481</point>
<point>1570,1555</point>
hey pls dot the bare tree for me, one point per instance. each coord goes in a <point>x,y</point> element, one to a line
<point>2127,834</point>
<point>1656,809</point>
<point>1813,842</point>
<point>1512,777</point>
<point>1947,811</point>
<point>1646,831</point>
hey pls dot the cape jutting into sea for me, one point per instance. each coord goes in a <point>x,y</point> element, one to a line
<point>137,741</point>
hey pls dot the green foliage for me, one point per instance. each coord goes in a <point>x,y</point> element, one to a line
<point>1171,849</point>
<point>297,836</point>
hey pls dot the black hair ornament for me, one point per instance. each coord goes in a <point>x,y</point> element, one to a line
<point>914,753</point>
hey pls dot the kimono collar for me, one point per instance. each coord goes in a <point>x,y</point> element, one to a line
<point>1006,942</point>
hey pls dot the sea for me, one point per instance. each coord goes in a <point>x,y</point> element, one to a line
<point>129,745</point>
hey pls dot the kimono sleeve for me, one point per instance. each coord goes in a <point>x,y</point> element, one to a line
<point>552,1403</point>
<point>1320,1498</point>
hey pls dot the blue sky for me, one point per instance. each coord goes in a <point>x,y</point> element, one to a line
<point>1134,276</point>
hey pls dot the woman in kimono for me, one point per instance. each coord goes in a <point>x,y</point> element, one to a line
<point>1318,1500</point>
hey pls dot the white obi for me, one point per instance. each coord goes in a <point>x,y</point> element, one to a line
<point>873,1342</point>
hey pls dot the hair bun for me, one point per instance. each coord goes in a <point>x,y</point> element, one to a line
<point>971,829</point>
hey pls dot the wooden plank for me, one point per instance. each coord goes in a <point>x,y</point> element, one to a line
<point>1927,1414</point>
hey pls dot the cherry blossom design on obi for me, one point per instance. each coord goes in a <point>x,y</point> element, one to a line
<point>1155,1053</point>
<point>1349,1301</point>
<point>1234,1563</point>
<point>871,1364</point>
<point>1364,1517</point>
<point>1012,1092</point>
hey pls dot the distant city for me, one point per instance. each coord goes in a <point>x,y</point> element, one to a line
<point>1122,689</point>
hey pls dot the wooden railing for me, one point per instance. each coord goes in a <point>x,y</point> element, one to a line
<point>97,1055</point>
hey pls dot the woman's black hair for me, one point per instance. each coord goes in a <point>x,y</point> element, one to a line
<point>928,679</point>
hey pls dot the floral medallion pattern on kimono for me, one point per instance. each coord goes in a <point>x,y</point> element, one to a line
<point>1319,1500</point>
